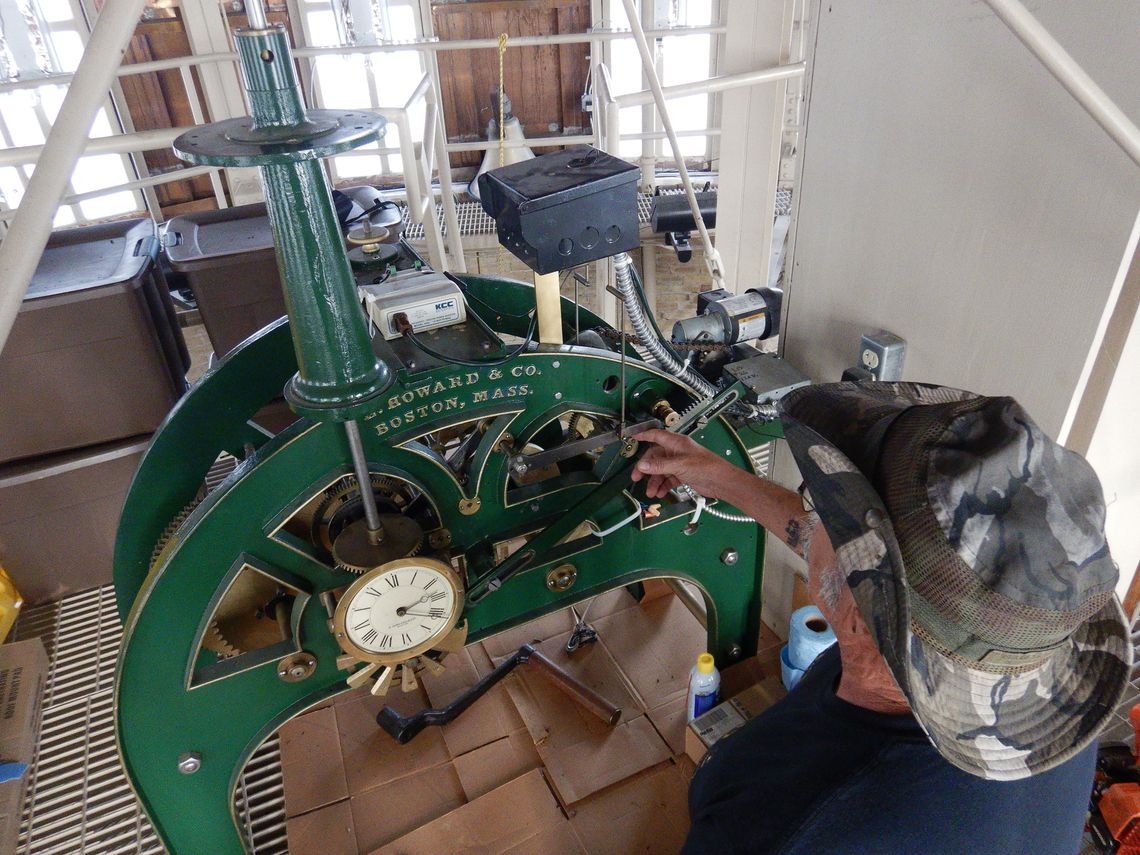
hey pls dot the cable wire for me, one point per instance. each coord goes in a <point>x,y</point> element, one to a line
<point>410,334</point>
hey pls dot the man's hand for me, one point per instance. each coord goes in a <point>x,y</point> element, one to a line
<point>674,459</point>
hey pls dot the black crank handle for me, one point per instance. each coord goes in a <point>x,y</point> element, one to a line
<point>404,729</point>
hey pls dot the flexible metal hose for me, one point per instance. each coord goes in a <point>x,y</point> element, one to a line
<point>623,275</point>
<point>710,510</point>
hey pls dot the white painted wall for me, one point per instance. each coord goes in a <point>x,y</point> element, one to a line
<point>953,193</point>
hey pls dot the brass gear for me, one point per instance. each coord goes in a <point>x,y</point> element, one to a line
<point>354,551</point>
<point>242,621</point>
<point>168,532</point>
<point>344,492</point>
<point>213,640</point>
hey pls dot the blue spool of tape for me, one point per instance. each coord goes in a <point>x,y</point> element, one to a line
<point>788,672</point>
<point>809,635</point>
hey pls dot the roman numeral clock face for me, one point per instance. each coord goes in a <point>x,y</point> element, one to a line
<point>398,610</point>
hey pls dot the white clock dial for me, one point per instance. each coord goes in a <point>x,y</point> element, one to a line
<point>399,609</point>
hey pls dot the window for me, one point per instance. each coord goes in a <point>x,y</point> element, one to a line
<point>680,59</point>
<point>361,81</point>
<point>39,39</point>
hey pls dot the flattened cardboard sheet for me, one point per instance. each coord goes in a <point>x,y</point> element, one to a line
<point>496,763</point>
<point>385,813</point>
<point>500,646</point>
<point>670,720</point>
<point>581,753</point>
<point>311,763</point>
<point>647,813</point>
<point>510,818</point>
<point>328,830</point>
<point>371,756</point>
<point>655,645</point>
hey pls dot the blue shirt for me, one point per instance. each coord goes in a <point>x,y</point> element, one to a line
<point>815,775</point>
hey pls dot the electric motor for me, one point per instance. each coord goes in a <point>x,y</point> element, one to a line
<point>732,318</point>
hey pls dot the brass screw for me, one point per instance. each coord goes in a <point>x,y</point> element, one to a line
<point>562,577</point>
<point>467,507</point>
<point>440,538</point>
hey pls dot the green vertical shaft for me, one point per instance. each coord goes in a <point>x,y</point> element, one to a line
<point>336,366</point>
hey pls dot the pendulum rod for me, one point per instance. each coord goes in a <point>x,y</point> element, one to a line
<point>364,482</point>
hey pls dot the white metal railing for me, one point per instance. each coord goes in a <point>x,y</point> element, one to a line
<point>425,157</point>
<point>137,142</point>
<point>596,36</point>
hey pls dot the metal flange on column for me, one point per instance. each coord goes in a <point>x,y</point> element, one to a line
<point>337,374</point>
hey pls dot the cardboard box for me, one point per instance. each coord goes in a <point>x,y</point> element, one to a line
<point>23,671</point>
<point>727,717</point>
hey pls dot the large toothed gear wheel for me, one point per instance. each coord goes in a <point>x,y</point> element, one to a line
<point>341,504</point>
<point>246,618</point>
<point>358,550</point>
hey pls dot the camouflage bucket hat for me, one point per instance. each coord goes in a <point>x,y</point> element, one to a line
<point>974,547</point>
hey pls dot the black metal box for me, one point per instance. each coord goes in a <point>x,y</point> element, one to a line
<point>563,209</point>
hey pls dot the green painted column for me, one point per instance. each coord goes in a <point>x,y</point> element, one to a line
<point>338,374</point>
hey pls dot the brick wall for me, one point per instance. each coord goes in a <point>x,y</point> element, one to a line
<point>677,283</point>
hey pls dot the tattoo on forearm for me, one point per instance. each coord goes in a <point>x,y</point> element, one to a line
<point>799,531</point>
<point>793,532</point>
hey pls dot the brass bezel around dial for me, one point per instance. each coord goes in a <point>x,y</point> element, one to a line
<point>375,576</point>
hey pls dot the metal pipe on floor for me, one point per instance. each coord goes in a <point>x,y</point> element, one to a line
<point>28,235</point>
<point>690,601</point>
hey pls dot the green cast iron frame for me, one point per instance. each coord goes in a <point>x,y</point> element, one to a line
<point>161,716</point>
<point>172,701</point>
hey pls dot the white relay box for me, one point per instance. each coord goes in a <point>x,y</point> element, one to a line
<point>430,300</point>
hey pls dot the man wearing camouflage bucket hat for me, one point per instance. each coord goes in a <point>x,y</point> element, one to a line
<point>964,568</point>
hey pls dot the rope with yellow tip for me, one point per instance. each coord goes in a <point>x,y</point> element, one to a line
<point>503,37</point>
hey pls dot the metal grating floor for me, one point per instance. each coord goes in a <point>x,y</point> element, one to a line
<point>79,801</point>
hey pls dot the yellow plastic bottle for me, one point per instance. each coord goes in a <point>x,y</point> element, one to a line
<point>10,602</point>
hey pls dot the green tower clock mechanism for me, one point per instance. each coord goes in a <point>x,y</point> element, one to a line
<point>440,486</point>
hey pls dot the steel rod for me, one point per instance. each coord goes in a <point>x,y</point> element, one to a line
<point>28,235</point>
<point>713,84</point>
<point>690,601</point>
<point>255,14</point>
<point>363,479</point>
<point>576,689</point>
<point>712,257</point>
<point>1070,75</point>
